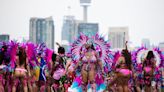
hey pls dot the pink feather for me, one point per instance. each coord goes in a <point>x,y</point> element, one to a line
<point>13,52</point>
<point>116,56</point>
<point>99,79</point>
<point>48,54</point>
<point>31,53</point>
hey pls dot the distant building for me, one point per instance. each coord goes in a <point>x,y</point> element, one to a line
<point>85,4</point>
<point>42,30</point>
<point>89,29</point>
<point>69,30</point>
<point>4,37</point>
<point>146,43</point>
<point>118,36</point>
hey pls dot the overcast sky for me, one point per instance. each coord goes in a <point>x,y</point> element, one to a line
<point>145,18</point>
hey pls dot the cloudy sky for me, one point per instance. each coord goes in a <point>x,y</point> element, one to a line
<point>145,18</point>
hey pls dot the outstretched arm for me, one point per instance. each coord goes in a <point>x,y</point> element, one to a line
<point>67,65</point>
<point>126,47</point>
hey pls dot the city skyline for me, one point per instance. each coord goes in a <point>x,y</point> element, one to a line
<point>144,18</point>
<point>118,36</point>
<point>42,30</point>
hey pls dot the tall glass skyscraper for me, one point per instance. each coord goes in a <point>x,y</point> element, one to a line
<point>69,30</point>
<point>42,30</point>
<point>4,38</point>
<point>89,29</point>
<point>118,36</point>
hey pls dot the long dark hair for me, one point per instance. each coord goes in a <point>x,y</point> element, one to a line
<point>22,56</point>
<point>61,49</point>
<point>149,56</point>
<point>127,55</point>
<point>54,56</point>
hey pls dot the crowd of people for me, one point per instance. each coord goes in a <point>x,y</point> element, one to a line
<point>89,66</point>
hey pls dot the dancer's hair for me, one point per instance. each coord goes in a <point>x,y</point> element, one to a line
<point>22,56</point>
<point>127,55</point>
<point>149,56</point>
<point>61,49</point>
<point>91,46</point>
<point>54,57</point>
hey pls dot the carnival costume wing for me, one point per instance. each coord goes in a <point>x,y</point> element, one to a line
<point>77,46</point>
<point>159,64</point>
<point>48,57</point>
<point>41,49</point>
<point>48,54</point>
<point>31,54</point>
<point>12,51</point>
<point>116,56</point>
<point>103,48</point>
<point>159,57</point>
<point>139,56</point>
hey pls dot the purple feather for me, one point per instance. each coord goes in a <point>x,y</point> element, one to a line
<point>12,52</point>
<point>31,53</point>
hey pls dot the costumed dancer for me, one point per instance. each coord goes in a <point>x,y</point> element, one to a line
<point>70,75</point>
<point>41,67</point>
<point>7,69</point>
<point>148,68</point>
<point>48,70</point>
<point>67,79</point>
<point>57,72</point>
<point>32,65</point>
<point>3,51</point>
<point>89,55</point>
<point>148,74</point>
<point>20,72</point>
<point>123,71</point>
<point>138,58</point>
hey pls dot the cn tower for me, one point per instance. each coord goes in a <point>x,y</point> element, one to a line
<point>85,4</point>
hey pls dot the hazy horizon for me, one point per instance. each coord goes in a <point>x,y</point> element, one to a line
<point>144,18</point>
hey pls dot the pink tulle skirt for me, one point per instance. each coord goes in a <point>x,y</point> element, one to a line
<point>58,73</point>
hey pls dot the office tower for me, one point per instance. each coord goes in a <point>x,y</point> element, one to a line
<point>4,37</point>
<point>42,30</point>
<point>118,36</point>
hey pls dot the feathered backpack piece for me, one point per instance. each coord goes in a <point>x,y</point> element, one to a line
<point>101,46</point>
<point>31,53</point>
<point>12,51</point>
